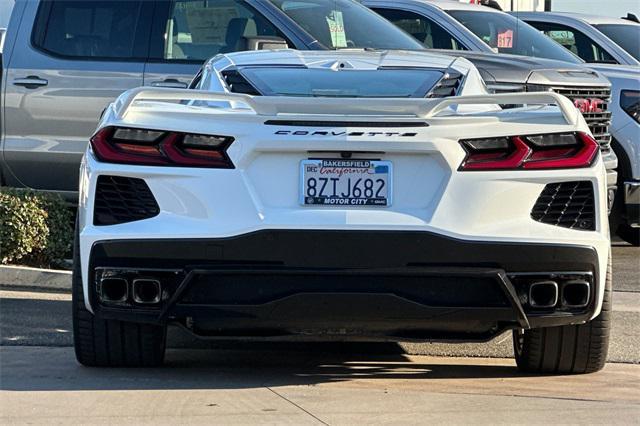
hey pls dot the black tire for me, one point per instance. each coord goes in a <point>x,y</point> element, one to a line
<point>629,234</point>
<point>618,219</point>
<point>571,349</point>
<point>111,343</point>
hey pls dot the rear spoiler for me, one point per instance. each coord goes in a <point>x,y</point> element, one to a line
<point>272,106</point>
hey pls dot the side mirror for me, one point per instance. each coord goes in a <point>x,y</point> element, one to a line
<point>266,43</point>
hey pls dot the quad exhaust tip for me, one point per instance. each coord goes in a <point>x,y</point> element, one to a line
<point>118,290</point>
<point>114,290</point>
<point>576,294</point>
<point>146,291</point>
<point>543,294</point>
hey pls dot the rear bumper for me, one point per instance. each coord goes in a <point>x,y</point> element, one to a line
<point>346,284</point>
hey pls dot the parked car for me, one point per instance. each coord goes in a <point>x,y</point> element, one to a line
<point>515,69</point>
<point>596,39</point>
<point>612,47</point>
<point>326,195</point>
<point>61,72</point>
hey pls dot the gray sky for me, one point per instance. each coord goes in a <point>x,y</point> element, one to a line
<point>615,8</point>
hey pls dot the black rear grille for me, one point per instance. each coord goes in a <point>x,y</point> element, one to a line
<point>598,122</point>
<point>238,84</point>
<point>567,204</point>
<point>123,199</point>
<point>449,85</point>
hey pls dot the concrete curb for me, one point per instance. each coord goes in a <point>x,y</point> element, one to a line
<point>34,278</point>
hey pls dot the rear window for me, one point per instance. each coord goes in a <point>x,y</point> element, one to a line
<point>200,29</point>
<point>625,36</point>
<point>423,29</point>
<point>510,35</point>
<point>89,29</point>
<point>348,83</point>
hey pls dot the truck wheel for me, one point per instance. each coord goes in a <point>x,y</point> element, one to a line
<point>571,349</point>
<point>111,343</point>
<point>618,219</point>
<point>629,234</point>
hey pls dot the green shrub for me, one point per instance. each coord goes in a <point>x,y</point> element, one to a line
<point>35,228</point>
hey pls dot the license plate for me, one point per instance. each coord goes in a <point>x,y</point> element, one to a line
<point>339,182</point>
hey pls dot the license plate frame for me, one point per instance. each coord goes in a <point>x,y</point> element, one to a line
<point>368,169</point>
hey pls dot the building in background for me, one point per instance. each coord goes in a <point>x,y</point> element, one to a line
<point>616,9</point>
<point>611,8</point>
<point>509,5</point>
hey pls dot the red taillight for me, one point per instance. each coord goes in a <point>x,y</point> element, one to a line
<point>157,148</point>
<point>551,151</point>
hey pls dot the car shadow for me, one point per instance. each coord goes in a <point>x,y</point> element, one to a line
<point>37,355</point>
<point>55,369</point>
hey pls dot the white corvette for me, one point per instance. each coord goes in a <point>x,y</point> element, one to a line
<point>342,195</point>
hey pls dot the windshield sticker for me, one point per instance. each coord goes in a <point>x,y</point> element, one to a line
<point>336,28</point>
<point>505,39</point>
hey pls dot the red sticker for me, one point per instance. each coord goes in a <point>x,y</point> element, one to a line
<point>505,39</point>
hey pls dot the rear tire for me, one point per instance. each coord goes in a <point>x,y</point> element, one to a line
<point>111,343</point>
<point>571,349</point>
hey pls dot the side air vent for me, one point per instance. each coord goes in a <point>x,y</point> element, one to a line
<point>238,84</point>
<point>121,200</point>
<point>449,85</point>
<point>567,204</point>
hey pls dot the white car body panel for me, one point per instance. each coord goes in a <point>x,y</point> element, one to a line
<point>261,192</point>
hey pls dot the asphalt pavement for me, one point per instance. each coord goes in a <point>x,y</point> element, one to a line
<point>318,383</point>
<point>39,319</point>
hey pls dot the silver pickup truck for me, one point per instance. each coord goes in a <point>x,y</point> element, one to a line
<point>65,61</point>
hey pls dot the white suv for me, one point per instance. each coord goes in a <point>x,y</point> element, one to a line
<point>611,46</point>
<point>343,195</point>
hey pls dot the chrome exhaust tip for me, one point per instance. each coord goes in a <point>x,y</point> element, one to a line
<point>146,291</point>
<point>543,294</point>
<point>114,290</point>
<point>576,294</point>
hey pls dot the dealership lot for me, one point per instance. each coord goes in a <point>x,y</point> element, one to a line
<point>309,383</point>
<point>272,184</point>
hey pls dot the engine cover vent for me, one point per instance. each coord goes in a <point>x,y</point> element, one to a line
<point>449,85</point>
<point>238,84</point>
